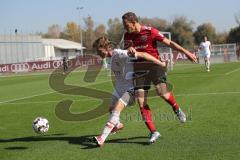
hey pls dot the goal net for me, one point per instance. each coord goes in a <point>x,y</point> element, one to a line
<point>166,52</point>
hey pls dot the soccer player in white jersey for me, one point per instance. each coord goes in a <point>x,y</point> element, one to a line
<point>123,94</point>
<point>205,48</point>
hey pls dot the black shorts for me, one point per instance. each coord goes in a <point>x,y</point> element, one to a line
<point>147,74</point>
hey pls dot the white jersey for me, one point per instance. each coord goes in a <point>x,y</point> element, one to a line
<point>121,68</point>
<point>205,48</point>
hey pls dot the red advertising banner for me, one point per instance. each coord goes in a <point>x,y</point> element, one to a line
<point>177,56</point>
<point>78,62</point>
<point>47,65</point>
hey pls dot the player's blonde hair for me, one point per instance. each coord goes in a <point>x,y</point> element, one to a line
<point>101,42</point>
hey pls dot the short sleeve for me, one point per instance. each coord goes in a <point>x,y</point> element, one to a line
<point>157,35</point>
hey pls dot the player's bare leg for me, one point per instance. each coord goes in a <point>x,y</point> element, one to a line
<point>119,126</point>
<point>112,122</point>
<point>208,64</point>
<point>163,92</point>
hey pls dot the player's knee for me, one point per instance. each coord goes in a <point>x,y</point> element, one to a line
<point>165,96</point>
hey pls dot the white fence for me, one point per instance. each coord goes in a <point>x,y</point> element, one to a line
<point>222,53</point>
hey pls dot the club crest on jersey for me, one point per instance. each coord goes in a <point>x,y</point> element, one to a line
<point>128,43</point>
<point>144,38</point>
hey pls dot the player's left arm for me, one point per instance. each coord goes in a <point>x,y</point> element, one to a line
<point>177,47</point>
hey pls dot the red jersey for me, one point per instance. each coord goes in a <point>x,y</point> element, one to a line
<point>144,41</point>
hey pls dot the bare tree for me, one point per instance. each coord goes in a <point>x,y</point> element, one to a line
<point>89,35</point>
<point>54,31</point>
<point>100,30</point>
<point>237,17</point>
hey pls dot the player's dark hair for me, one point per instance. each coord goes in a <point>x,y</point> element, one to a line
<point>130,16</point>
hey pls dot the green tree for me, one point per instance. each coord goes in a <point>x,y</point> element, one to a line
<point>221,38</point>
<point>158,23</point>
<point>182,31</point>
<point>205,29</point>
<point>115,30</point>
<point>234,35</point>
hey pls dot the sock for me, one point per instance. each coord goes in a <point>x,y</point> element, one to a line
<point>208,64</point>
<point>147,117</point>
<point>171,100</point>
<point>112,122</point>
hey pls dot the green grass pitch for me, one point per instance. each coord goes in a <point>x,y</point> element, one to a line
<point>210,100</point>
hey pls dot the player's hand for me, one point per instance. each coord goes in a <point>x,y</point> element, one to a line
<point>192,57</point>
<point>131,51</point>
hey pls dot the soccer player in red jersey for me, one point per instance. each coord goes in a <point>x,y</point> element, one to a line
<point>144,39</point>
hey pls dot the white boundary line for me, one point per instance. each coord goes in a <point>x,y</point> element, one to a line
<point>177,95</point>
<point>235,70</point>
<point>206,94</point>
<point>204,75</point>
<point>40,74</point>
<point>46,93</point>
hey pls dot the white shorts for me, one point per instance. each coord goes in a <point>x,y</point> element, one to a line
<point>207,55</point>
<point>127,98</point>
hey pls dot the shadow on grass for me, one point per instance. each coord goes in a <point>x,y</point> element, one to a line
<point>16,148</point>
<point>85,141</point>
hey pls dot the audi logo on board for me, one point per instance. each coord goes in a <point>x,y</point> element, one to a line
<point>19,67</point>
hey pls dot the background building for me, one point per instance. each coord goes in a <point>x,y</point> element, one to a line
<point>25,48</point>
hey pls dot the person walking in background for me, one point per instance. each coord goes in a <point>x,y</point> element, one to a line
<point>205,49</point>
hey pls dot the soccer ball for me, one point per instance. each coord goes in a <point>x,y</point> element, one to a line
<point>40,125</point>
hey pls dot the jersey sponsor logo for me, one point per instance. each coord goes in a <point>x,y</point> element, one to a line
<point>147,27</point>
<point>144,38</point>
<point>128,43</point>
<point>141,47</point>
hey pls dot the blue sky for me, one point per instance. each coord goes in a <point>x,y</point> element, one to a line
<point>31,16</point>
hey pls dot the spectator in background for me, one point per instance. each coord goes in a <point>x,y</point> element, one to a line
<point>65,64</point>
<point>238,52</point>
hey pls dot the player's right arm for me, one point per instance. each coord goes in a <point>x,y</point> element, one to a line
<point>147,57</point>
<point>177,47</point>
<point>158,36</point>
